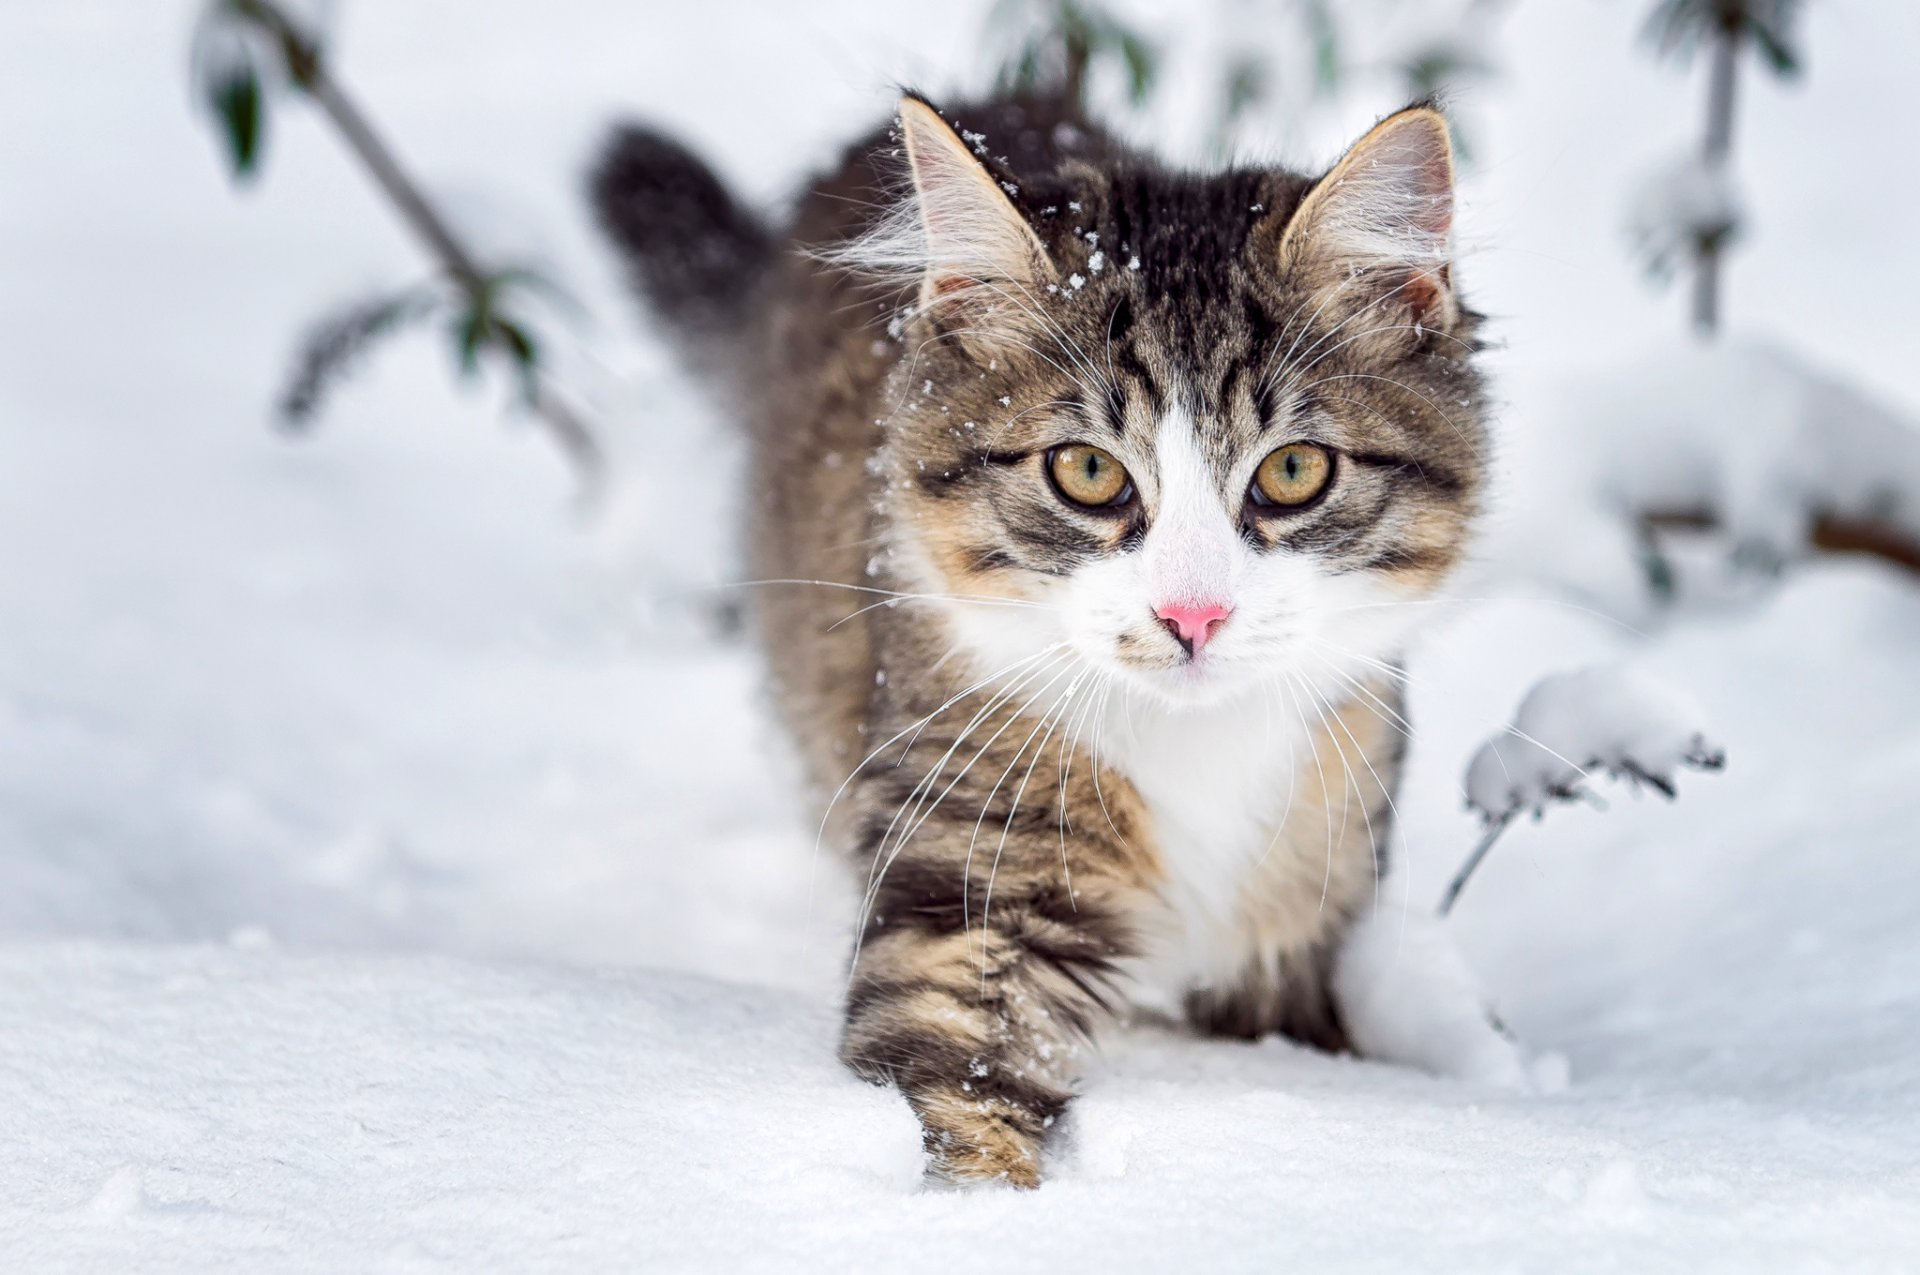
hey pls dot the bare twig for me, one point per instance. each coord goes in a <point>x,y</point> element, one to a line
<point>1831,533</point>
<point>1723,70</point>
<point>1467,869</point>
<point>307,68</point>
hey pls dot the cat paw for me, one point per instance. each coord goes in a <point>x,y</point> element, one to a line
<point>979,1142</point>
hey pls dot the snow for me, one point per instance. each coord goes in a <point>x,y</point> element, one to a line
<point>1407,996</point>
<point>1748,430</point>
<point>1677,205</point>
<point>398,873</point>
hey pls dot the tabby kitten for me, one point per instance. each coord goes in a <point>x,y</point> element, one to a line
<point>1093,495</point>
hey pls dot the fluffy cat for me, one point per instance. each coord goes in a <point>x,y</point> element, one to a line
<point>1096,500</point>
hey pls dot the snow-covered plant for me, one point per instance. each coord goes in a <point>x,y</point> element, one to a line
<point>1611,720</point>
<point>247,51</point>
<point>1694,205</point>
<point>1679,207</point>
<point>1687,468</point>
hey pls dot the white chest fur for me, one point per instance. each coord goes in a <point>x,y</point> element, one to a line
<point>1217,783</point>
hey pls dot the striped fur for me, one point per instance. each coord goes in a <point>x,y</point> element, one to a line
<point>1057,810</point>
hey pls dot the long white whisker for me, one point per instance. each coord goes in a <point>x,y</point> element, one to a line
<point>926,811</point>
<point>1052,723</point>
<point>917,795</point>
<point>914,728</point>
<point>966,871</point>
<point>1326,793</point>
<point>1373,844</point>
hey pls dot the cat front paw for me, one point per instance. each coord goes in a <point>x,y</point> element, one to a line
<point>973,1141</point>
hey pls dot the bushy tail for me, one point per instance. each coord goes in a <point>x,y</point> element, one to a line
<point>692,250</point>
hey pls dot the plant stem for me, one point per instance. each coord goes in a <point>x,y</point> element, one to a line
<point>308,70</point>
<point>1722,74</point>
<point>1466,871</point>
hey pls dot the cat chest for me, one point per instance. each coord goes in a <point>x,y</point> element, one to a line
<point>1232,796</point>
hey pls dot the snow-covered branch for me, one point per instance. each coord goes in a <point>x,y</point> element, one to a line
<point>1611,721</point>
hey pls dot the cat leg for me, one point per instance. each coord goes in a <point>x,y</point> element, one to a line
<point>1405,995</point>
<point>1288,996</point>
<point>979,1024</point>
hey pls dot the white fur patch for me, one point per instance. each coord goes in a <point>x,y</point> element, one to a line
<point>1193,554</point>
<point>1215,780</point>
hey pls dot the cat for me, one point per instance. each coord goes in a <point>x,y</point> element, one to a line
<point>1091,506</point>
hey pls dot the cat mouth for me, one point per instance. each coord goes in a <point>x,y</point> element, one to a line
<point>1179,677</point>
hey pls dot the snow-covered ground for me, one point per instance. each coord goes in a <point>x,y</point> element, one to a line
<point>397,874</point>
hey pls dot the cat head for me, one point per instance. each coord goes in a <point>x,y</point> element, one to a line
<point>1207,432</point>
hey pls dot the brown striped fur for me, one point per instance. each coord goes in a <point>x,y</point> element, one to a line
<point>1014,890</point>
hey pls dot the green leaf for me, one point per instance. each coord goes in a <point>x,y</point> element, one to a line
<point>240,106</point>
<point>1677,28</point>
<point>469,334</point>
<point>522,349</point>
<point>339,340</point>
<point>1141,67</point>
<point>517,342</point>
<point>1778,54</point>
<point>1325,34</point>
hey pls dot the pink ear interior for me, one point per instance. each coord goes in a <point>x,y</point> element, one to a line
<point>973,231</point>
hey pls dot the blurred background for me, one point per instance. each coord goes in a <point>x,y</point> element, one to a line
<point>367,573</point>
<point>405,667</point>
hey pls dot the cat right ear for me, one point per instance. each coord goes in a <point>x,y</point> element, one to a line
<point>1385,215</point>
<point>974,236</point>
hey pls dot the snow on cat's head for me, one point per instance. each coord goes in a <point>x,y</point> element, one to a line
<point>1202,433</point>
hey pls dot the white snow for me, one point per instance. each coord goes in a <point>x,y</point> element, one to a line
<point>1407,996</point>
<point>398,874</point>
<point>1676,205</point>
<point>1746,430</point>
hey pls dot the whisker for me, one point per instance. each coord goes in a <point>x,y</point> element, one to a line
<point>1006,828</point>
<point>1386,791</point>
<point>1063,766</point>
<point>826,816</point>
<point>986,599</point>
<point>926,811</point>
<point>916,794</point>
<point>1326,793</point>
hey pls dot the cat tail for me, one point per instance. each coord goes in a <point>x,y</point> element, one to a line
<point>693,252</point>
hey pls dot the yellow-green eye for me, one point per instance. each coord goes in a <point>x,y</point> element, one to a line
<point>1293,475</point>
<point>1088,476</point>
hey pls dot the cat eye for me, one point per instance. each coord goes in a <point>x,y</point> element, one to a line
<point>1089,477</point>
<point>1292,476</point>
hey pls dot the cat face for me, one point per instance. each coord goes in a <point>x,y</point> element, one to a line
<point>1203,433</point>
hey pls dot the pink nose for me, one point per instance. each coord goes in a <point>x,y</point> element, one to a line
<point>1193,625</point>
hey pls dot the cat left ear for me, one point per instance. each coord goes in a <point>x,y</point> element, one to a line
<point>974,235</point>
<point>1385,214</point>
